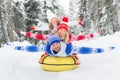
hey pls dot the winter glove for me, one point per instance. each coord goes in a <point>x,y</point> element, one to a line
<point>28,34</point>
<point>39,37</point>
<point>80,37</point>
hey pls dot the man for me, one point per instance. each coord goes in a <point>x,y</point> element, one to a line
<point>55,47</point>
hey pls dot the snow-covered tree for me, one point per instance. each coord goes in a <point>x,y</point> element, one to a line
<point>10,20</point>
<point>77,9</point>
<point>109,20</point>
<point>43,9</point>
<point>6,21</point>
<point>72,10</point>
<point>53,6</point>
<point>32,9</point>
<point>19,15</point>
<point>100,15</point>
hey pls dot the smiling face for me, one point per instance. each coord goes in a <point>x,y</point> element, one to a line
<point>62,33</point>
<point>54,21</point>
<point>56,47</point>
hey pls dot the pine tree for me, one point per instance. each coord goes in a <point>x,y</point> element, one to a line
<point>53,6</point>
<point>43,9</point>
<point>19,15</point>
<point>10,21</point>
<point>3,22</point>
<point>32,9</point>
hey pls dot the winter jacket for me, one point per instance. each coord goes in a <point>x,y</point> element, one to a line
<point>66,49</point>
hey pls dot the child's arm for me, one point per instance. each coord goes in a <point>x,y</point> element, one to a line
<point>83,36</point>
<point>34,36</point>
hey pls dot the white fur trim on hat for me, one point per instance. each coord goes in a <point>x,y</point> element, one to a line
<point>64,22</point>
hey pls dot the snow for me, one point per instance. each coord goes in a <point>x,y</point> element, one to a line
<point>42,27</point>
<point>65,4</point>
<point>21,65</point>
<point>50,15</point>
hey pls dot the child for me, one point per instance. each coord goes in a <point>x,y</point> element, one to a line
<point>53,22</point>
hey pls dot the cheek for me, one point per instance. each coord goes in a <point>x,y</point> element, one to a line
<point>52,47</point>
<point>59,45</point>
<point>54,21</point>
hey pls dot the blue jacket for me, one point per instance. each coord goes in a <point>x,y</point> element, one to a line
<point>64,51</point>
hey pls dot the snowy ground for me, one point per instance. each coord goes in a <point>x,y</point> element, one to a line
<point>21,65</point>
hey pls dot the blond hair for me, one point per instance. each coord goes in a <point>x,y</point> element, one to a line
<point>51,25</point>
<point>66,40</point>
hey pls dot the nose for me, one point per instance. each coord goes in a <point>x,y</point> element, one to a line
<point>62,34</point>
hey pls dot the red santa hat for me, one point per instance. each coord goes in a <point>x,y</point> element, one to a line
<point>64,24</point>
<point>65,20</point>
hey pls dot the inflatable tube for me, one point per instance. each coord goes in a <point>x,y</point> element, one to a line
<point>56,64</point>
